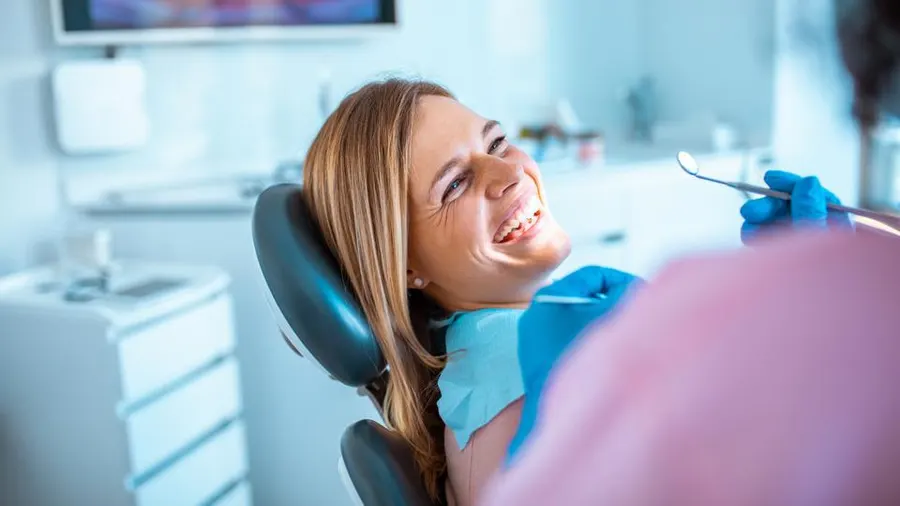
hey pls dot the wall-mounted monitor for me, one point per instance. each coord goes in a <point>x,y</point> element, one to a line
<point>132,22</point>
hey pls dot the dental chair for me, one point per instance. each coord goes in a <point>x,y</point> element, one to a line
<point>321,321</point>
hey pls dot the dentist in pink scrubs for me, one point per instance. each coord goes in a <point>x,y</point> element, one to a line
<point>767,376</point>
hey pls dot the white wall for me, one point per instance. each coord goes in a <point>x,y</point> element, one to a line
<point>707,56</point>
<point>711,55</point>
<point>814,132</point>
<point>243,108</point>
<point>596,52</point>
<point>28,195</point>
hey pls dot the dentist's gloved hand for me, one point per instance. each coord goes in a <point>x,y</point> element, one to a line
<point>807,207</point>
<point>547,329</point>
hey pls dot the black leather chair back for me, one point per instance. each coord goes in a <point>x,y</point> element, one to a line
<point>321,320</point>
<point>317,314</point>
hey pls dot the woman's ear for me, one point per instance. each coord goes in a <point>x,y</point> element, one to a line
<point>415,281</point>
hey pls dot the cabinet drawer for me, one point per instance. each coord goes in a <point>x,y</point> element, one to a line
<point>171,423</point>
<point>154,356</point>
<point>239,496</point>
<point>201,474</point>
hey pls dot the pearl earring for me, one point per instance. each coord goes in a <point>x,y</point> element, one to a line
<point>418,283</point>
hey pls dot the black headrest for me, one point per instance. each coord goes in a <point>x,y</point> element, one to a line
<point>316,312</point>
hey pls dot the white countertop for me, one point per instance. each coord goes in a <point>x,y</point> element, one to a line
<point>43,289</point>
<point>237,195</point>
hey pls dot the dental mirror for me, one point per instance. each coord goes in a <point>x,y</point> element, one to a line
<point>688,163</point>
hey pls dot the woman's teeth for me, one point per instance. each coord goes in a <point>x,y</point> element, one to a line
<point>523,220</point>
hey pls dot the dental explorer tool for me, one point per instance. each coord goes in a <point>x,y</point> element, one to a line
<point>566,299</point>
<point>689,164</point>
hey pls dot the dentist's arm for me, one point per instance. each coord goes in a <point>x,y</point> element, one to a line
<point>545,333</point>
<point>548,330</point>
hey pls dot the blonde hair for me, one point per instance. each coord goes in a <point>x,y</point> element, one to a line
<point>356,179</point>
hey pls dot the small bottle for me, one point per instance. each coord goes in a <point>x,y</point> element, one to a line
<point>590,148</point>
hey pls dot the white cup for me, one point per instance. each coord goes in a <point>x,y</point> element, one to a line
<point>88,250</point>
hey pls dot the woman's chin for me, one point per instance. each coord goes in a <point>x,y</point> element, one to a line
<point>555,252</point>
<point>563,253</point>
<point>558,245</point>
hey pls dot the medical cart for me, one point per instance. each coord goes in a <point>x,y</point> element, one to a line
<point>121,391</point>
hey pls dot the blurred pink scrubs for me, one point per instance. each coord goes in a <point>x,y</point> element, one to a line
<point>765,376</point>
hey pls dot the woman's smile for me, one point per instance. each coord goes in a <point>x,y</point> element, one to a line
<point>522,218</point>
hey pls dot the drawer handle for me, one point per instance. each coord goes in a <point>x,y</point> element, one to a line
<point>613,237</point>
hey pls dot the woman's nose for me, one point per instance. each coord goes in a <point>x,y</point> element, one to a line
<point>501,176</point>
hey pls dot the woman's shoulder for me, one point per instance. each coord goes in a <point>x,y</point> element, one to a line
<point>482,374</point>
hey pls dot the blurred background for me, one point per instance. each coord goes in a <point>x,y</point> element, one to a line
<point>139,361</point>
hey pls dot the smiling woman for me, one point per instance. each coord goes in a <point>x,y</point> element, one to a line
<point>438,222</point>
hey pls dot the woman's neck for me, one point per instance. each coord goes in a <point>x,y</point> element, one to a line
<point>520,299</point>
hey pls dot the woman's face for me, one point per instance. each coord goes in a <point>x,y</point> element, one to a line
<point>480,234</point>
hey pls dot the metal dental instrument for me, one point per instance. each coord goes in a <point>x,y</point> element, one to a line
<point>565,299</point>
<point>689,164</point>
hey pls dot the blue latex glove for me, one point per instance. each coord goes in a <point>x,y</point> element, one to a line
<point>807,207</point>
<point>547,329</point>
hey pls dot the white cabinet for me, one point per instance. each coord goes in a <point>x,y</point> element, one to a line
<point>130,396</point>
<point>636,217</point>
<point>294,414</point>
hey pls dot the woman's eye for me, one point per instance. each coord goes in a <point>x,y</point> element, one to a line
<point>498,145</point>
<point>453,188</point>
